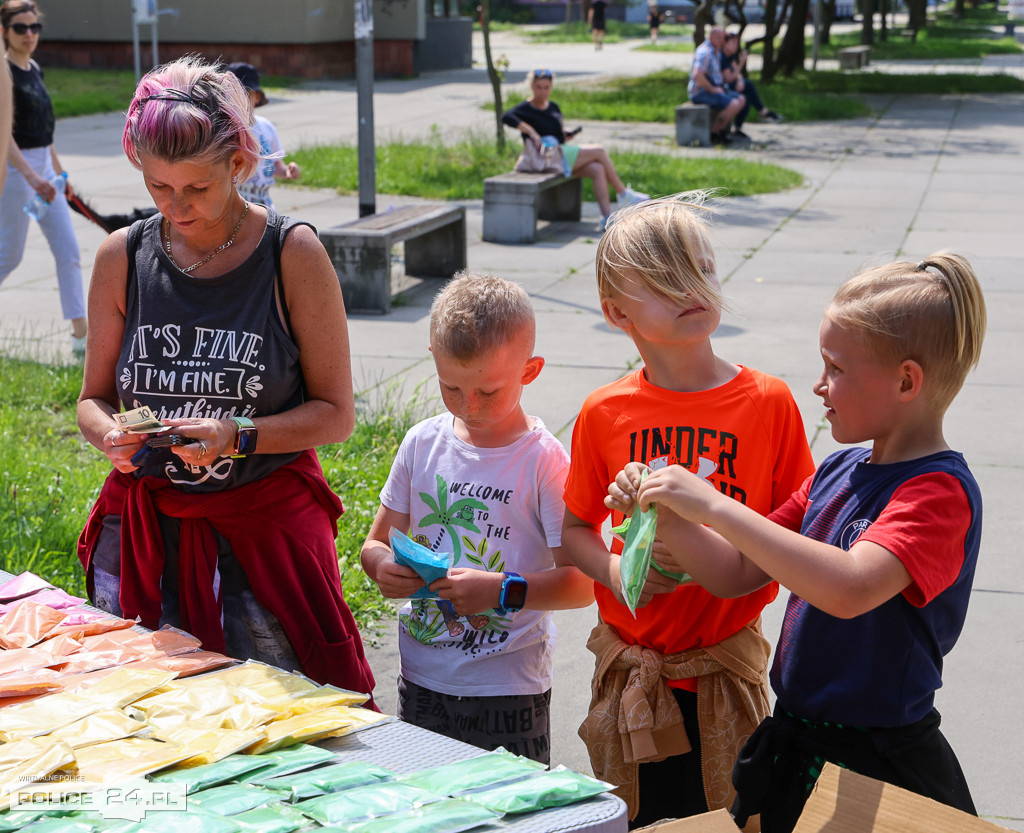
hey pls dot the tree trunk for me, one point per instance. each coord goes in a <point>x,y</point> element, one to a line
<point>828,14</point>
<point>492,73</point>
<point>793,50</point>
<point>702,18</point>
<point>768,64</point>
<point>958,10</point>
<point>867,29</point>
<point>918,10</point>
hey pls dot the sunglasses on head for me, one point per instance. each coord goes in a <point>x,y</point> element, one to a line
<point>542,73</point>
<point>24,28</point>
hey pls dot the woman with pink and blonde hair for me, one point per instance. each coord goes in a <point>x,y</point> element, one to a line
<point>226,321</point>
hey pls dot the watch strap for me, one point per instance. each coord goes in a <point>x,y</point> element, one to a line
<point>240,422</point>
<point>502,607</point>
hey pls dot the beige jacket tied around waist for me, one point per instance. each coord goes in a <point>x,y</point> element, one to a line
<point>634,718</point>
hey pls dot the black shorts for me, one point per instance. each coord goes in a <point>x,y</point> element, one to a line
<point>520,722</point>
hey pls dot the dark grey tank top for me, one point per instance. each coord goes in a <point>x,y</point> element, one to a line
<point>207,347</point>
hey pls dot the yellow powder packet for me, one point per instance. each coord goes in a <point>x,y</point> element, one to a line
<point>303,728</point>
<point>118,760</point>
<point>48,759</point>
<point>110,724</point>
<point>323,697</point>
<point>210,745</point>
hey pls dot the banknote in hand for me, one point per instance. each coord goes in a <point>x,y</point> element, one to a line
<point>139,421</point>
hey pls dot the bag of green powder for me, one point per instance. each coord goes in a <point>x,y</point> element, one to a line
<point>452,815</point>
<point>472,773</point>
<point>556,788</point>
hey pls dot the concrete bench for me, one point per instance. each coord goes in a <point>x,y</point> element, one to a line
<point>435,247</point>
<point>514,202</point>
<point>693,124</point>
<point>854,57</point>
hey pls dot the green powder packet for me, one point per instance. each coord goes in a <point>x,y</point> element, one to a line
<point>273,818</point>
<point>556,788</point>
<point>636,552</point>
<point>288,760</point>
<point>640,530</point>
<point>180,821</point>
<point>485,770</point>
<point>229,799</point>
<point>451,815</point>
<point>362,803</point>
<point>325,779</point>
<point>60,826</point>
<point>14,820</point>
<point>210,775</point>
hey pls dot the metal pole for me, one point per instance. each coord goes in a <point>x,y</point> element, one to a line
<point>364,94</point>
<point>156,17</point>
<point>135,41</point>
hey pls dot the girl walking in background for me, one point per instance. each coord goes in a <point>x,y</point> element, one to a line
<point>32,164</point>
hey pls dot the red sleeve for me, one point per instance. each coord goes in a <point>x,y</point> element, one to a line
<point>925,526</point>
<point>791,514</point>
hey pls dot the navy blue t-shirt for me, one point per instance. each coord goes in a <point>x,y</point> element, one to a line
<point>882,668</point>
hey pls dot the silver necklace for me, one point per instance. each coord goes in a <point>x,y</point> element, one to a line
<point>211,255</point>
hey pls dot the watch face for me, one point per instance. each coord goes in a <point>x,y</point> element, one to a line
<point>247,440</point>
<point>514,593</point>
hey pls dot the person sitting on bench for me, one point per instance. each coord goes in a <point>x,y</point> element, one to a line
<point>539,116</point>
<point>707,86</point>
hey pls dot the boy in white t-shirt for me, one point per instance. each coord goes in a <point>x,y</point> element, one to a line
<point>272,167</point>
<point>482,482</point>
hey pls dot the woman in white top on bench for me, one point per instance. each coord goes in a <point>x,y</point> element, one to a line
<point>540,116</point>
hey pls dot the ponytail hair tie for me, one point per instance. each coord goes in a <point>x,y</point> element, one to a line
<point>922,266</point>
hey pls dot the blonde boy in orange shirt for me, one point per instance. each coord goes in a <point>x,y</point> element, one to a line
<point>659,674</point>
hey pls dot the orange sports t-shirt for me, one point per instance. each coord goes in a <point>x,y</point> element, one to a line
<point>746,437</point>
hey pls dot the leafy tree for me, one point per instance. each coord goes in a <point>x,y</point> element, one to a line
<point>793,50</point>
<point>494,75</point>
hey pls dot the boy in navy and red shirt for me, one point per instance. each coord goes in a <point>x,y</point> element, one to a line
<point>878,547</point>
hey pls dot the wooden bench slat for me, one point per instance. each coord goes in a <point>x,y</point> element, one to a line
<point>396,217</point>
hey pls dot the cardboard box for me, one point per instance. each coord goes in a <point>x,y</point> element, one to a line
<point>717,821</point>
<point>845,802</point>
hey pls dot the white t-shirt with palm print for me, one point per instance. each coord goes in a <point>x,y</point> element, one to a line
<point>495,509</point>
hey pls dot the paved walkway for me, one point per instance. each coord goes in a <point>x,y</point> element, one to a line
<point>925,173</point>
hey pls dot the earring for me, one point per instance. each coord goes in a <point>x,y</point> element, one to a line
<point>234,179</point>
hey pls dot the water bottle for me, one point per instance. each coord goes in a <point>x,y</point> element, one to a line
<point>37,206</point>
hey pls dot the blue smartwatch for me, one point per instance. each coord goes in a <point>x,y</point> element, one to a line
<point>513,594</point>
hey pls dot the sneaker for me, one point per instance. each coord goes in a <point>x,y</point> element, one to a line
<point>606,221</point>
<point>740,134</point>
<point>78,345</point>
<point>771,116</point>
<point>722,138</point>
<point>631,197</point>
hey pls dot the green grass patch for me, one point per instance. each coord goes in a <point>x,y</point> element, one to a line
<point>806,96</point>
<point>681,44</point>
<point>50,477</point>
<point>933,43</point>
<point>456,171</point>
<point>616,32</point>
<point>83,92</point>
<point>654,97</point>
